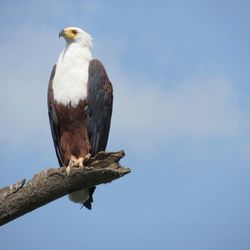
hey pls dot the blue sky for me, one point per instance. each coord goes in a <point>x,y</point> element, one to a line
<point>180,72</point>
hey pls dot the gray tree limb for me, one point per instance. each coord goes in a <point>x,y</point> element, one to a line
<point>53,183</point>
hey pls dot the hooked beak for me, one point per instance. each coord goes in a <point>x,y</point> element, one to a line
<point>61,33</point>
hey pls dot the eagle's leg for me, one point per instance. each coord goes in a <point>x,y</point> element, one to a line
<point>72,163</point>
<point>82,160</point>
<point>86,158</point>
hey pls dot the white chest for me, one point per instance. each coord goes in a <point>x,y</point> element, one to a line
<point>71,77</point>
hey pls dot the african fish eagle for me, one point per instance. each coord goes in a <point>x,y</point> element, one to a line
<point>80,99</point>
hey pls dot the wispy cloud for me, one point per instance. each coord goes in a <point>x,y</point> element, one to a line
<point>200,107</point>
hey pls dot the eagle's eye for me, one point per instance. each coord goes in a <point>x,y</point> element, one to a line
<point>74,32</point>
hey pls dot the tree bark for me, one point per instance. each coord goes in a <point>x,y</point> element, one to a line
<point>53,183</point>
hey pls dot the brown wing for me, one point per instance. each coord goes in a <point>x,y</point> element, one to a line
<point>52,120</point>
<point>100,102</point>
<point>98,115</point>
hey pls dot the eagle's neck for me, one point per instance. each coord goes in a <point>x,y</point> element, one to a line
<point>71,76</point>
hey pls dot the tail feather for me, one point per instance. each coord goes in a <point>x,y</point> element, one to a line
<point>90,200</point>
<point>87,204</point>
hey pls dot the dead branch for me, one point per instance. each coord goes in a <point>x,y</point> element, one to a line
<point>53,183</point>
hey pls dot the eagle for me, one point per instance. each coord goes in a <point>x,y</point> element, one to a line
<point>80,101</point>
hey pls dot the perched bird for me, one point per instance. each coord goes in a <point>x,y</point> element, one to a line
<point>80,99</point>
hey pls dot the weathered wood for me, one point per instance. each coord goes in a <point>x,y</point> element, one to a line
<point>53,183</point>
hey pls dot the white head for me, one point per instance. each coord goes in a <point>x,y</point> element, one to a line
<point>76,35</point>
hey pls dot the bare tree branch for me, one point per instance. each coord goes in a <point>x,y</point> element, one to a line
<point>50,184</point>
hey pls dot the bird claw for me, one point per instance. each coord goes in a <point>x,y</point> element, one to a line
<point>80,162</point>
<point>72,164</point>
<point>87,157</point>
<point>68,169</point>
<point>77,163</point>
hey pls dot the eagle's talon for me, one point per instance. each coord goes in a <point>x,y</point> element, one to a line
<point>80,162</point>
<point>68,169</point>
<point>87,157</point>
<point>72,164</point>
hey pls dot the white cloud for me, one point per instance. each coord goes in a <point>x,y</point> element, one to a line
<point>203,107</point>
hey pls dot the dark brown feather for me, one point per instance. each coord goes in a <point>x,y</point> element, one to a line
<point>73,134</point>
